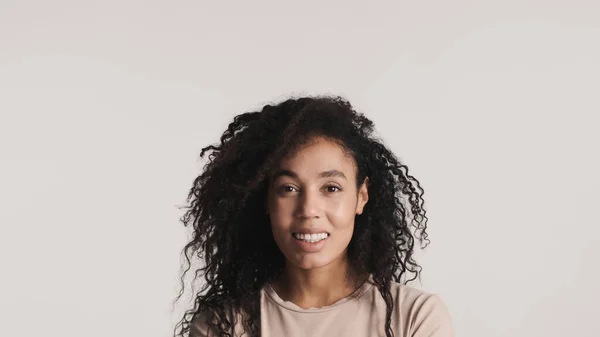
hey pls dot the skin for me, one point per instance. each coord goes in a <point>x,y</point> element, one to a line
<point>300,195</point>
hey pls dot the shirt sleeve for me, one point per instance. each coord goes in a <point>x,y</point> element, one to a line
<point>432,319</point>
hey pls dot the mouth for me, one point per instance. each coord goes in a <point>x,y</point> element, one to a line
<point>311,238</point>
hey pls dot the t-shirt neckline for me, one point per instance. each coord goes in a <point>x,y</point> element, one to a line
<point>273,296</point>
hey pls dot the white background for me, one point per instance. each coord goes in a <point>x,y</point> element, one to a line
<point>493,105</point>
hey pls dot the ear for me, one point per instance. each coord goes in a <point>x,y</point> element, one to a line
<point>363,196</point>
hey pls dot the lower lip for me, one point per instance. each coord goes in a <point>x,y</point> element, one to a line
<point>310,246</point>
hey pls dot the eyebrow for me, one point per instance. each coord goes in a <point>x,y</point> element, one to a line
<point>324,174</point>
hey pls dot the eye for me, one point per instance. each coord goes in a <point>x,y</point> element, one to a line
<point>332,188</point>
<point>287,189</point>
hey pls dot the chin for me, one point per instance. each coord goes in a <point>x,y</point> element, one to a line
<point>311,262</point>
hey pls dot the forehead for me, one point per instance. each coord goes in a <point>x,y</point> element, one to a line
<point>318,156</point>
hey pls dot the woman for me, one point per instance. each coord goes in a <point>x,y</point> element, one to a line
<point>303,221</point>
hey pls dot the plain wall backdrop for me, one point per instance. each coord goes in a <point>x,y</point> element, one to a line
<point>105,105</point>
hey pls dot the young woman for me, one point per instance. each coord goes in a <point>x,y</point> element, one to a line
<point>304,223</point>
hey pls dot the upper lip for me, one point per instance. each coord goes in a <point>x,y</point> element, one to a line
<point>310,231</point>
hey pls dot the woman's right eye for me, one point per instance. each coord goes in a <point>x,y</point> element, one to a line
<point>287,189</point>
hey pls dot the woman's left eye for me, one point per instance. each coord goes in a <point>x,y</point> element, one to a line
<point>332,188</point>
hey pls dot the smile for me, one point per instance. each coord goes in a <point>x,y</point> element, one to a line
<point>312,238</point>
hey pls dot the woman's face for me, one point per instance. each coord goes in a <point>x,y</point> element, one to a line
<point>312,202</point>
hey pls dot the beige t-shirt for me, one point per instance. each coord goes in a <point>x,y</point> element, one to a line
<point>416,314</point>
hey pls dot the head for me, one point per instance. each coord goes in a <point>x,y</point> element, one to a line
<point>301,166</point>
<point>315,191</point>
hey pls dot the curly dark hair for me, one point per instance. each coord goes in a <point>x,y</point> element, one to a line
<point>231,230</point>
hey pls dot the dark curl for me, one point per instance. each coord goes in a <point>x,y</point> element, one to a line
<point>231,230</point>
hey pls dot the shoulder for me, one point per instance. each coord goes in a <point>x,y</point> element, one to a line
<point>420,313</point>
<point>199,327</point>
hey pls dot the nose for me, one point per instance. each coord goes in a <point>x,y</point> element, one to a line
<point>308,205</point>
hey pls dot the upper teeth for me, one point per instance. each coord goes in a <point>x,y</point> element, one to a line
<point>311,237</point>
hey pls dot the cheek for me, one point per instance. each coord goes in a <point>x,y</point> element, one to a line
<point>280,214</point>
<point>342,218</point>
<point>342,214</point>
<point>280,239</point>
<point>280,227</point>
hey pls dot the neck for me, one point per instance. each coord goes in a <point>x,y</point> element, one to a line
<point>318,287</point>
